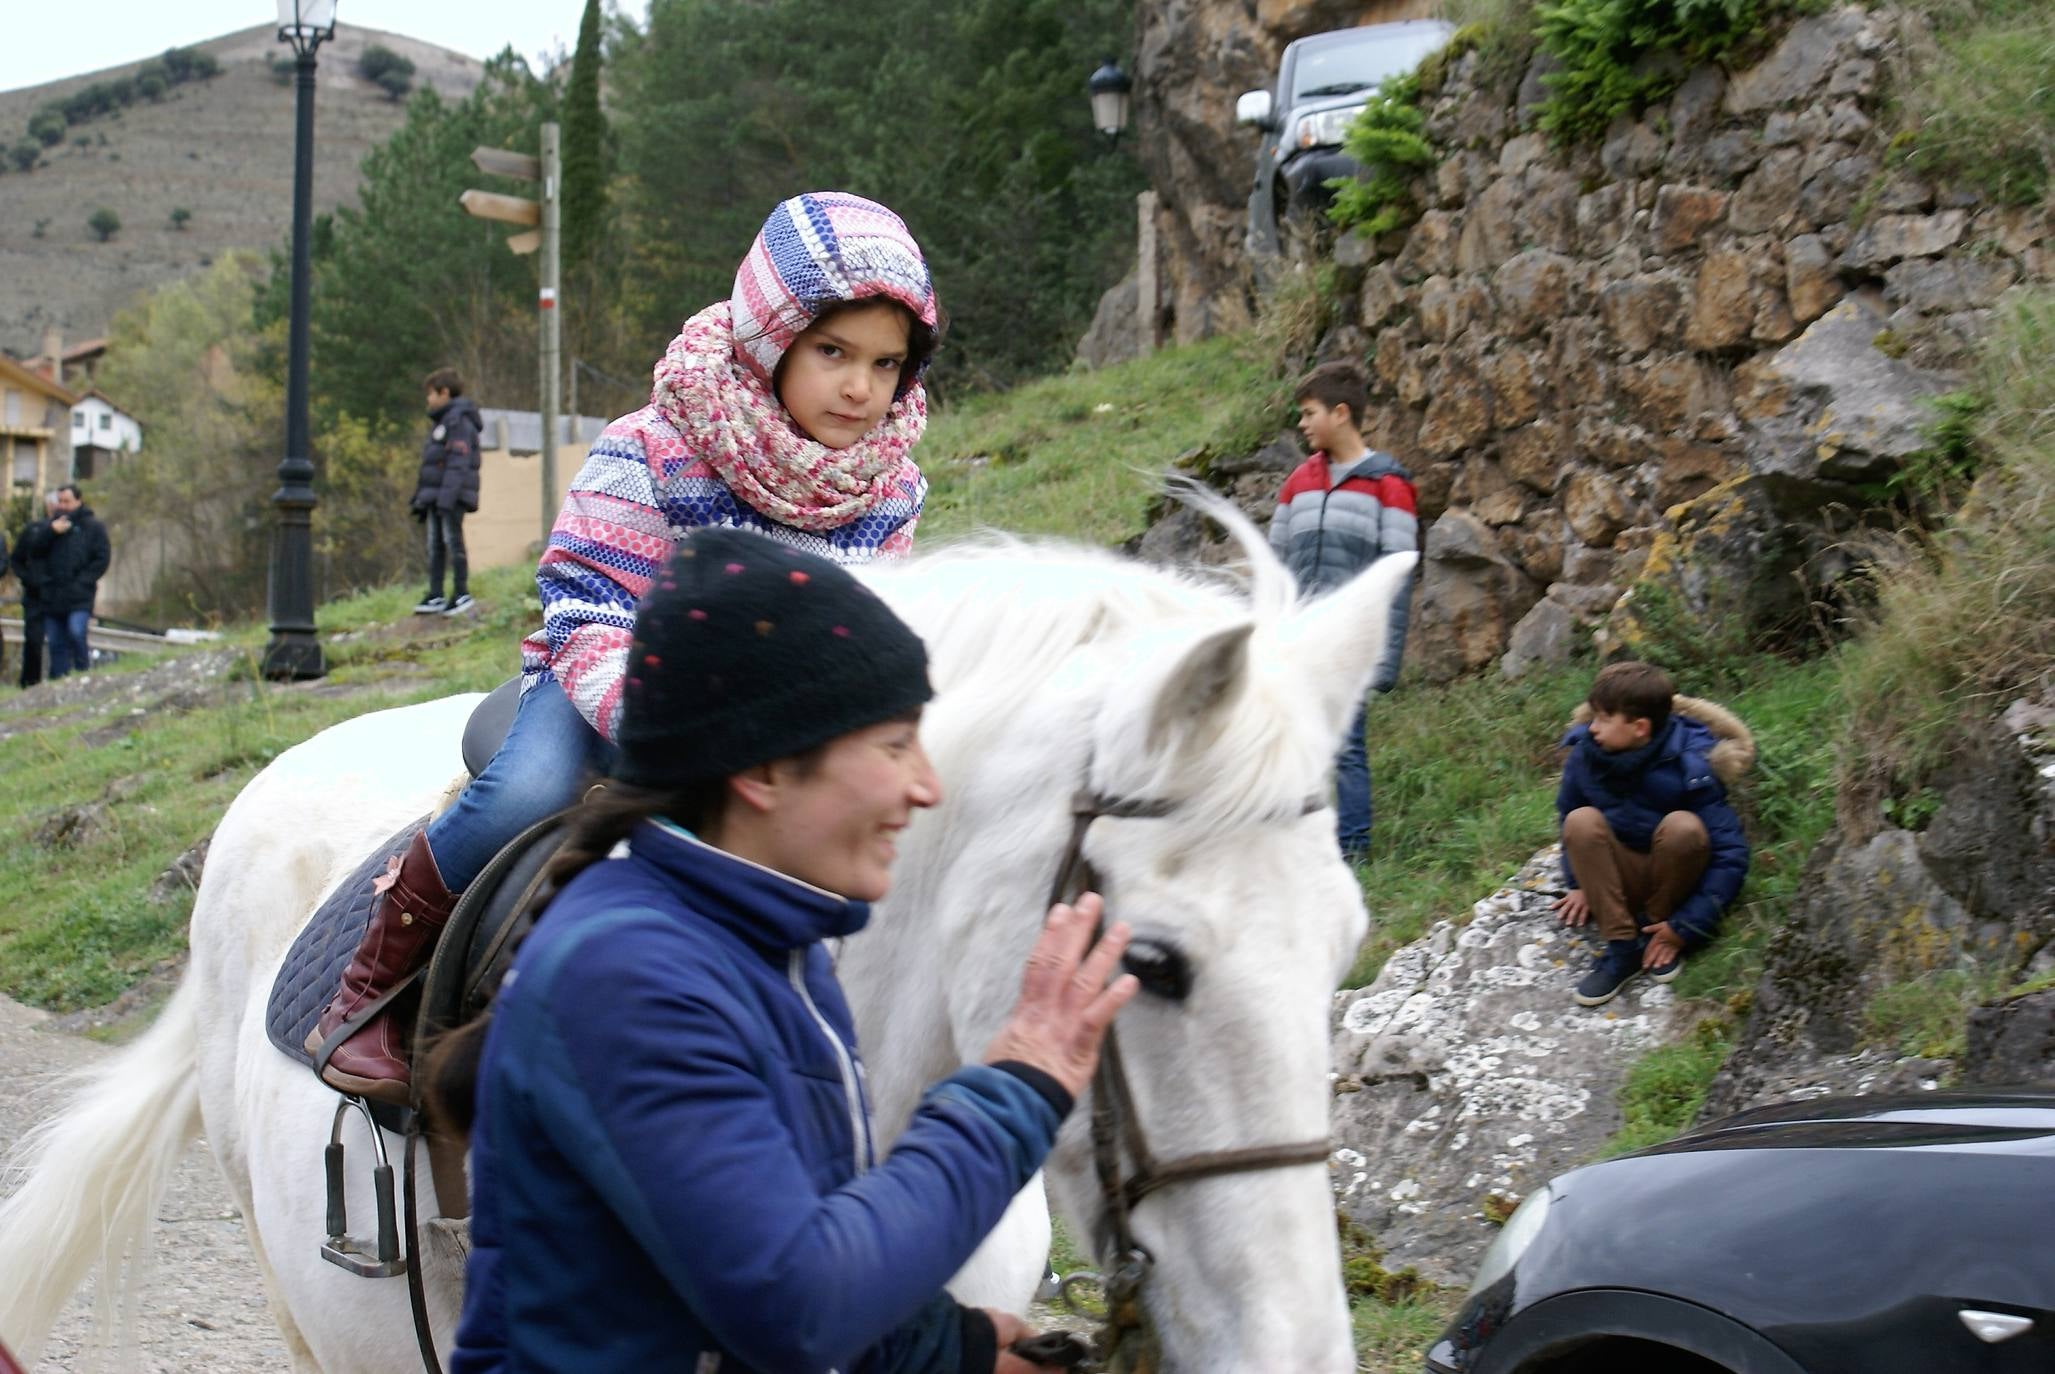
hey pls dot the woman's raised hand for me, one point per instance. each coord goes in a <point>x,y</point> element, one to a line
<point>1066,1003</point>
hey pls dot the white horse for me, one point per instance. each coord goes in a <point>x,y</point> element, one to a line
<point>1057,668</point>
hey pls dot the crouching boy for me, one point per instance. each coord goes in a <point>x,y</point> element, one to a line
<point>1651,850</point>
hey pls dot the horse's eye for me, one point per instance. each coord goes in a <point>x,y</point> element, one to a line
<point>1161,969</point>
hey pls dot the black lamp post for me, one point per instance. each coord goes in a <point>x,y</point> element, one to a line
<point>1109,87</point>
<point>295,650</point>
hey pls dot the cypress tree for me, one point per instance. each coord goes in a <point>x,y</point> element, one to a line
<point>585,182</point>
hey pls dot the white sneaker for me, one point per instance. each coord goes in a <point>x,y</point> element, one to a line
<point>430,605</point>
<point>459,606</point>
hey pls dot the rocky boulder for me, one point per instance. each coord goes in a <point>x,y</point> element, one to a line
<point>1831,408</point>
<point>1470,597</point>
<point>1466,1070</point>
<point>1726,571</point>
<point>1115,335</point>
<point>1971,899</point>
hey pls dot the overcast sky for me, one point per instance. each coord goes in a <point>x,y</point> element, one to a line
<point>45,41</point>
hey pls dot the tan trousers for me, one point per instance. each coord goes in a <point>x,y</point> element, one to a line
<point>1623,885</point>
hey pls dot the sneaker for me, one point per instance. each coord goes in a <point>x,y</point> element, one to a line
<point>431,605</point>
<point>1664,973</point>
<point>460,605</point>
<point>1614,970</point>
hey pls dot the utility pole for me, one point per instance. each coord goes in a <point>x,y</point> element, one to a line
<point>552,320</point>
<point>542,221</point>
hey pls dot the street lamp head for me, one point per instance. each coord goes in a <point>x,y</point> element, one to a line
<point>306,23</point>
<point>1109,87</point>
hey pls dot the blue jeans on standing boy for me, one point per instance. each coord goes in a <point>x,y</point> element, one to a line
<point>69,652</point>
<point>1352,793</point>
<point>550,757</point>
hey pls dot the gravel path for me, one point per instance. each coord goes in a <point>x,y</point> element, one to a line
<point>203,1308</point>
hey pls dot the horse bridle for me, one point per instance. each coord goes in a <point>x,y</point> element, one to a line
<point>1115,1121</point>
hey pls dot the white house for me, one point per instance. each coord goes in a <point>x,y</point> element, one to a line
<point>100,429</point>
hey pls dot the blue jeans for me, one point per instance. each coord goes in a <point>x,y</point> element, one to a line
<point>1352,791</point>
<point>551,755</point>
<point>68,650</point>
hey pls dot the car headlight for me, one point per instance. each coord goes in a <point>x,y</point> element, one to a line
<point>1326,128</point>
<point>1513,1239</point>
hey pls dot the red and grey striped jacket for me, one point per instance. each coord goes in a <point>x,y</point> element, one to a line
<point>1327,532</point>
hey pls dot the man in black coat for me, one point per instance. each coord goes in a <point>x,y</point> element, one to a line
<point>29,572</point>
<point>74,552</point>
<point>447,488</point>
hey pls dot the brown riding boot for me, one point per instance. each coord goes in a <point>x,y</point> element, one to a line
<point>410,911</point>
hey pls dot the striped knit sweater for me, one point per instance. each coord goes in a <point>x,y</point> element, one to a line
<point>638,493</point>
<point>1334,520</point>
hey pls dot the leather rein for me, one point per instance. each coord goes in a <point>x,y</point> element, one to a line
<point>1115,1122</point>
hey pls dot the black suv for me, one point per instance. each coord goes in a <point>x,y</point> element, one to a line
<point>1323,82</point>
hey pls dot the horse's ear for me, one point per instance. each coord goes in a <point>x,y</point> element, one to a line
<point>1337,642</point>
<point>1205,682</point>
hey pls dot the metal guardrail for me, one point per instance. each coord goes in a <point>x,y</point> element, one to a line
<point>107,637</point>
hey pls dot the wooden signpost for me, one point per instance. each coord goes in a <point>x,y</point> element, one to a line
<point>540,218</point>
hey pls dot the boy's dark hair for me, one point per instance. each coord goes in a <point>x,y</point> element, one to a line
<point>1339,383</point>
<point>444,379</point>
<point>1638,691</point>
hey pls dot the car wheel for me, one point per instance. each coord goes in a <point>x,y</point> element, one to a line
<point>1617,1356</point>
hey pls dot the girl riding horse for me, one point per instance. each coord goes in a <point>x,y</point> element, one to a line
<point>790,409</point>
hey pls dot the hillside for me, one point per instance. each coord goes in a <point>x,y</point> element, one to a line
<point>220,148</point>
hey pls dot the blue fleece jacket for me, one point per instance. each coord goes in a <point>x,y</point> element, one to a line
<point>672,1166</point>
<point>1671,773</point>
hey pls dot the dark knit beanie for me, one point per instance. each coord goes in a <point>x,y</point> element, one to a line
<point>746,651</point>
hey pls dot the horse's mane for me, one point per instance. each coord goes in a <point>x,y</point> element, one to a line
<point>1000,615</point>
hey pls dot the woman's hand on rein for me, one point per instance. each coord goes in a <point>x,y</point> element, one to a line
<point>1065,1003</point>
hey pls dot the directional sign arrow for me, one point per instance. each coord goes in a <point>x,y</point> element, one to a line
<point>520,245</point>
<point>502,163</point>
<point>507,209</point>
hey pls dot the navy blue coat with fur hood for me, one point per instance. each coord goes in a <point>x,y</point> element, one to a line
<point>1686,768</point>
<point>672,1165</point>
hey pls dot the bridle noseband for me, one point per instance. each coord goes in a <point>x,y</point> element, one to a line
<point>1115,1120</point>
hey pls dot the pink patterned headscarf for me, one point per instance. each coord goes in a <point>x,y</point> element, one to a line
<point>729,416</point>
<point>818,250</point>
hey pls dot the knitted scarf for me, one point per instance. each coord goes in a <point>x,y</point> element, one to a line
<point>731,418</point>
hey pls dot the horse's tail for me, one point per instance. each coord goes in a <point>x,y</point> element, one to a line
<point>89,1179</point>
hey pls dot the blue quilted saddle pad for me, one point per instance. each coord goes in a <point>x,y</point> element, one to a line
<point>314,966</point>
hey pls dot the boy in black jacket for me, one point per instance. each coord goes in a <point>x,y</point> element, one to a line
<point>447,488</point>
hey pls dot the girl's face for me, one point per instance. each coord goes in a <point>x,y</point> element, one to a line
<point>836,824</point>
<point>840,376</point>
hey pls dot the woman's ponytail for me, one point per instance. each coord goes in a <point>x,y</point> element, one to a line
<point>609,815</point>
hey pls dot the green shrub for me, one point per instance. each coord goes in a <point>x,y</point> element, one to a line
<point>104,223</point>
<point>1389,140</point>
<point>387,70</point>
<point>1981,109</point>
<point>25,154</point>
<point>1959,622</point>
<point>1620,55</point>
<point>1667,1086</point>
<point>47,126</point>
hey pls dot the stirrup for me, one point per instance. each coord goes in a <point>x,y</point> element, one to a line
<point>340,1248</point>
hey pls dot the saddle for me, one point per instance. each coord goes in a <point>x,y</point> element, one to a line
<point>475,948</point>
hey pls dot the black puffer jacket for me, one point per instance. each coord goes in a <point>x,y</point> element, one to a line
<point>449,459</point>
<point>72,563</point>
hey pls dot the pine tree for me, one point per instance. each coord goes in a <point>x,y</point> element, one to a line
<point>585,177</point>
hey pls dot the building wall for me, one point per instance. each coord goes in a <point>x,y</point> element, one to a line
<point>508,526</point>
<point>97,424</point>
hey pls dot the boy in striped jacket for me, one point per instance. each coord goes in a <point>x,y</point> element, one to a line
<point>1340,511</point>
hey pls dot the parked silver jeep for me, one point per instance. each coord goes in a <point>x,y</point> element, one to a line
<point>1323,82</point>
